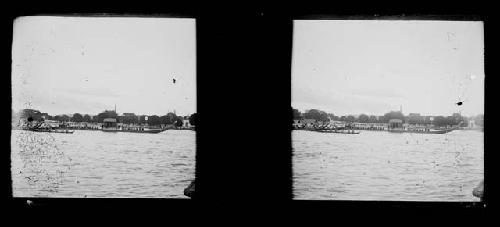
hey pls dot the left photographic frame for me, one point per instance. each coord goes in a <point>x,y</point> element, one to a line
<point>103,107</point>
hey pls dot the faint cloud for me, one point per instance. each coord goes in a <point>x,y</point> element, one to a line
<point>382,93</point>
<point>99,92</point>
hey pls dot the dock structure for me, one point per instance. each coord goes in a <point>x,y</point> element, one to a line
<point>109,125</point>
<point>395,124</point>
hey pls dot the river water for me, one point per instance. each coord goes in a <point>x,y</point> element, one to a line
<point>379,165</point>
<point>100,164</point>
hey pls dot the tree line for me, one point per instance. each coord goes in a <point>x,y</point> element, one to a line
<point>169,118</point>
<point>455,119</point>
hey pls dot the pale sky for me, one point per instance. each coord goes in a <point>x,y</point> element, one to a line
<point>65,65</point>
<point>373,67</point>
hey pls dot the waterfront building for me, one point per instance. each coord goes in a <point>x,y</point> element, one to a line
<point>395,123</point>
<point>369,126</point>
<point>186,124</point>
<point>472,123</point>
<point>51,123</point>
<point>109,124</point>
<point>427,120</point>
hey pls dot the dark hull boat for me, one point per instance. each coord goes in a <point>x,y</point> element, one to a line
<point>110,125</point>
<point>340,132</point>
<point>145,130</point>
<point>420,132</point>
<point>434,131</point>
<point>51,130</point>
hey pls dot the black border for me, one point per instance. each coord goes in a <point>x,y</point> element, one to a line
<point>244,67</point>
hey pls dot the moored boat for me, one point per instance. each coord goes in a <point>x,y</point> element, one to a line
<point>430,131</point>
<point>339,131</point>
<point>396,126</point>
<point>109,125</point>
<point>143,130</point>
<point>50,130</point>
<point>334,130</point>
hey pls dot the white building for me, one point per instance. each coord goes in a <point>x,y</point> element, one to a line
<point>186,124</point>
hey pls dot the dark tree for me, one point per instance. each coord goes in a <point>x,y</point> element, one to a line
<point>192,119</point>
<point>142,119</point>
<point>363,118</point>
<point>106,114</point>
<point>415,119</point>
<point>440,121</point>
<point>130,119</point>
<point>331,116</point>
<point>393,115</point>
<point>343,118</point>
<point>450,120</point>
<point>172,118</point>
<point>317,115</point>
<point>169,118</point>
<point>154,120</point>
<point>165,120</point>
<point>350,118</point>
<point>77,117</point>
<point>296,114</point>
<point>179,122</point>
<point>63,118</point>
<point>87,118</point>
<point>372,119</point>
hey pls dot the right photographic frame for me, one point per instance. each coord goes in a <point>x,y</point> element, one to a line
<point>388,110</point>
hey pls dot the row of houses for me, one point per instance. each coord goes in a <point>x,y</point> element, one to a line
<point>309,123</point>
<point>83,125</point>
<point>92,126</point>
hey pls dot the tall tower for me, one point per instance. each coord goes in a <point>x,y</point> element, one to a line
<point>401,108</point>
